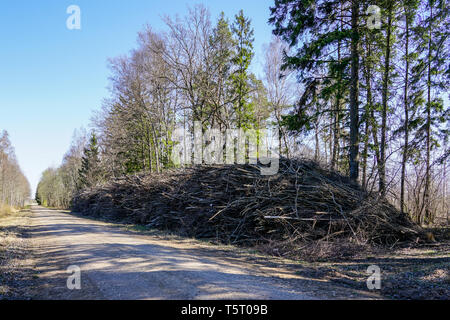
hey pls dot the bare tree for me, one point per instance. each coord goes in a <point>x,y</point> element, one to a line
<point>280,87</point>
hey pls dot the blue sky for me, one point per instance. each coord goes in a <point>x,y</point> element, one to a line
<point>52,78</point>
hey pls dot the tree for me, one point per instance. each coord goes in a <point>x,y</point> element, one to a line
<point>221,96</point>
<point>90,172</point>
<point>410,100</point>
<point>387,81</point>
<point>280,88</point>
<point>432,33</point>
<point>243,39</point>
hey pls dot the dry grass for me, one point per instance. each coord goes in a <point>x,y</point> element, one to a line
<point>14,254</point>
<point>5,210</point>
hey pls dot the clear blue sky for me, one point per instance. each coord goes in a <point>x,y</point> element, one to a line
<point>52,78</point>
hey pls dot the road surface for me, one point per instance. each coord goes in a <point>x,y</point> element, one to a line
<point>120,264</point>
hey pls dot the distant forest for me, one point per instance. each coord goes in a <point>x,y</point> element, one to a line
<point>14,187</point>
<point>359,86</point>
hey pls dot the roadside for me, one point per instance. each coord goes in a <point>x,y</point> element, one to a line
<point>16,256</point>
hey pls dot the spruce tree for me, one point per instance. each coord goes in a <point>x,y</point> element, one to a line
<point>243,39</point>
<point>90,171</point>
<point>222,44</point>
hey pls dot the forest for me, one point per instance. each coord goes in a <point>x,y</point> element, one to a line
<point>358,87</point>
<point>14,187</point>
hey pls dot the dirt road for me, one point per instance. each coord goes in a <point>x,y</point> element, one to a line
<point>119,264</point>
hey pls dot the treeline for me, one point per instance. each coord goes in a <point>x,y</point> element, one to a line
<point>58,185</point>
<point>14,186</point>
<point>356,87</point>
<point>197,71</point>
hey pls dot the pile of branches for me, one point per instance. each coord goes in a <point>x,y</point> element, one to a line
<point>236,204</point>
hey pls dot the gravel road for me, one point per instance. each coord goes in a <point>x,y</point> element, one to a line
<point>119,264</point>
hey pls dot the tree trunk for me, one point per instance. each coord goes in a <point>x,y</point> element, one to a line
<point>354,91</point>
<point>367,112</point>
<point>426,196</point>
<point>405,97</point>
<point>336,125</point>
<point>387,61</point>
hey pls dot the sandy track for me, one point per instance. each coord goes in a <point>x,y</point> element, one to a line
<point>117,264</point>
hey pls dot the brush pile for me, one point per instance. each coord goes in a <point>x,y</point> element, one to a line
<point>236,204</point>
